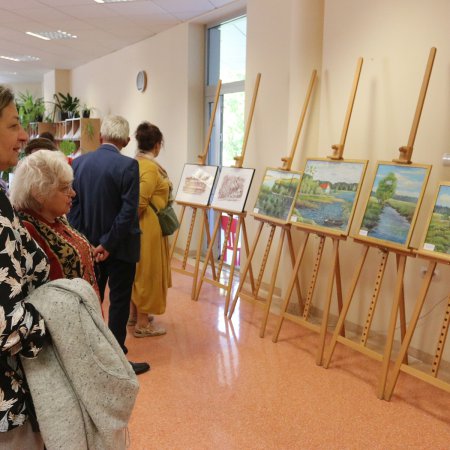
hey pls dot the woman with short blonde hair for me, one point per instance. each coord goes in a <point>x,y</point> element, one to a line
<point>42,193</point>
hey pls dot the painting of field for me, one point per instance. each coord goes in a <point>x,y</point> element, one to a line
<point>438,234</point>
<point>276,194</point>
<point>392,206</point>
<point>328,193</point>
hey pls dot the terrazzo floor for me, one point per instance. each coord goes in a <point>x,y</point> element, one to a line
<point>215,384</point>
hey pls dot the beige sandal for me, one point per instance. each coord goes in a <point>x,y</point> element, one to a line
<point>132,321</point>
<point>149,331</point>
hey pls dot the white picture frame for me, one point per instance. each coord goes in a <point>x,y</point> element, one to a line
<point>196,184</point>
<point>232,189</point>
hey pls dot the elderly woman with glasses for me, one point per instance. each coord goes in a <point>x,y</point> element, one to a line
<point>42,193</point>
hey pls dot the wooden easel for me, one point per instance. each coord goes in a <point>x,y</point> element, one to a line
<point>240,225</point>
<point>398,303</point>
<point>285,230</point>
<point>204,227</point>
<point>334,273</point>
<point>434,258</point>
<point>430,378</point>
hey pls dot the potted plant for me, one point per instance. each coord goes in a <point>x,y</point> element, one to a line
<point>85,111</point>
<point>67,105</point>
<point>30,108</point>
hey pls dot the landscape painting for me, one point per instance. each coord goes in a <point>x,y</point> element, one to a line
<point>437,238</point>
<point>196,184</point>
<point>232,189</point>
<point>394,200</point>
<point>327,195</point>
<point>276,194</point>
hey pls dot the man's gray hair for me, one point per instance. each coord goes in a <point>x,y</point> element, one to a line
<point>115,128</point>
<point>6,97</point>
<point>39,175</point>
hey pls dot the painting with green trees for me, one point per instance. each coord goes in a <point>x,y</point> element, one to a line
<point>393,203</point>
<point>437,238</point>
<point>328,193</point>
<point>276,194</point>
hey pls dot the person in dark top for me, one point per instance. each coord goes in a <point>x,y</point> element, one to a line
<point>23,267</point>
<point>105,210</point>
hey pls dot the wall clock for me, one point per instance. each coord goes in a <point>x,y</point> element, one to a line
<point>141,81</point>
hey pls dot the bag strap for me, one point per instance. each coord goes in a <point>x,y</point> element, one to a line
<point>153,207</point>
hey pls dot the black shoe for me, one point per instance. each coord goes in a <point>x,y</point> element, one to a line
<point>140,367</point>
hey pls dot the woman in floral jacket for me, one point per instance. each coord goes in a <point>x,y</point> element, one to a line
<point>23,266</point>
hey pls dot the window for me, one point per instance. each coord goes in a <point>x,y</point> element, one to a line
<point>226,61</point>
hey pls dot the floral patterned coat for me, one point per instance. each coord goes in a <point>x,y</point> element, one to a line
<point>23,267</point>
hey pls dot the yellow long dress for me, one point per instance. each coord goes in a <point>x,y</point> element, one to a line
<point>153,276</point>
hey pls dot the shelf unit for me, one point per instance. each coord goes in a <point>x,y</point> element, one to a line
<point>35,129</point>
<point>84,132</point>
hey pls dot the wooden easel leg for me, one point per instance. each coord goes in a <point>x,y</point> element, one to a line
<point>346,306</point>
<point>189,238</point>
<point>339,291</point>
<point>301,302</point>
<point>312,284</point>
<point>272,284</point>
<point>289,292</point>
<point>326,309</point>
<point>223,253</point>
<point>208,240</point>
<point>175,238</point>
<point>264,262</point>
<point>197,258</point>
<point>402,314</point>
<point>208,255</point>
<point>392,323</point>
<point>232,267</point>
<point>245,239</point>
<point>244,272</point>
<point>410,331</point>
<point>441,341</point>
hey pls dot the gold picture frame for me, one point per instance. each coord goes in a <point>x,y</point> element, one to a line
<point>327,196</point>
<point>390,221</point>
<point>435,240</point>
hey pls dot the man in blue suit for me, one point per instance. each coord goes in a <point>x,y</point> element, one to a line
<point>105,210</point>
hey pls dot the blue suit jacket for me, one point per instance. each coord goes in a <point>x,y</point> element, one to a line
<point>105,208</point>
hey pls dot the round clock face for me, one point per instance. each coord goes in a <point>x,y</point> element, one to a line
<point>141,81</point>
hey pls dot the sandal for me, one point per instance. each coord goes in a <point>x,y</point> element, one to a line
<point>132,321</point>
<point>149,331</point>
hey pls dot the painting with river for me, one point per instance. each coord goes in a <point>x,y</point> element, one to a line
<point>327,195</point>
<point>393,203</point>
<point>437,237</point>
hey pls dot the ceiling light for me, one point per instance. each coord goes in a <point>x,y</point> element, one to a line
<point>52,35</point>
<point>24,58</point>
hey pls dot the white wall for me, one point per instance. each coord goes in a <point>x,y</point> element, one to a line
<point>395,47</point>
<point>285,41</point>
<point>172,100</point>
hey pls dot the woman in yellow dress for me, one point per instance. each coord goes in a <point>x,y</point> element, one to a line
<point>153,276</point>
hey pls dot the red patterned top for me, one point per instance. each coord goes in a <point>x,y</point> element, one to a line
<point>68,251</point>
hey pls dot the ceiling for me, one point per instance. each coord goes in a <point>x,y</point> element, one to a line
<point>100,29</point>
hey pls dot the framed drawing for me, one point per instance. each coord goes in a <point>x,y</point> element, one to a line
<point>196,184</point>
<point>326,199</point>
<point>436,240</point>
<point>276,194</point>
<point>395,197</point>
<point>232,189</point>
